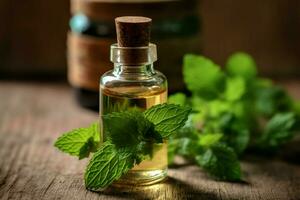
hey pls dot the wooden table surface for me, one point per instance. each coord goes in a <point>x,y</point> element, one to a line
<point>34,114</point>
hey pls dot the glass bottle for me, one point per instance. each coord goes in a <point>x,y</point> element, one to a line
<point>134,83</point>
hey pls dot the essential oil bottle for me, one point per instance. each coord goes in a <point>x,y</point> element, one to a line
<point>133,83</point>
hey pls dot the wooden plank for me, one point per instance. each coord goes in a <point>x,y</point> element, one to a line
<point>33,116</point>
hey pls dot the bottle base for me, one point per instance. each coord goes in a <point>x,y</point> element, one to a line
<point>142,177</point>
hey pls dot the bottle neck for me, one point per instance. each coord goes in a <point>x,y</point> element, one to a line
<point>133,70</point>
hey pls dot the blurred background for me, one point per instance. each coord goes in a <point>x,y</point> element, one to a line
<point>62,39</point>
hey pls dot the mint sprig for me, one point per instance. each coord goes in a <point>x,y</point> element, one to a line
<point>130,135</point>
<point>235,111</point>
<point>129,138</point>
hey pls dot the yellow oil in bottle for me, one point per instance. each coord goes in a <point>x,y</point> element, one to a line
<point>123,98</point>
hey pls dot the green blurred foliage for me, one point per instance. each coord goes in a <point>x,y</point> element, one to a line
<point>233,110</point>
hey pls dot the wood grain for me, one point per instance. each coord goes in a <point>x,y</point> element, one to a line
<point>33,115</point>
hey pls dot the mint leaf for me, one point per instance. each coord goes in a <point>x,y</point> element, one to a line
<point>184,143</point>
<point>273,99</point>
<point>131,131</point>
<point>241,64</point>
<point>235,88</point>
<point>88,147</point>
<point>209,139</point>
<point>236,134</point>
<point>128,129</point>
<point>147,130</point>
<point>107,165</point>
<point>202,76</point>
<point>221,162</point>
<point>178,98</point>
<point>238,140</point>
<point>188,147</point>
<point>122,129</point>
<point>79,142</point>
<point>218,107</point>
<point>95,131</point>
<point>278,131</point>
<point>280,122</point>
<point>167,118</point>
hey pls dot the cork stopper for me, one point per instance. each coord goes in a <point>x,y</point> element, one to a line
<point>133,31</point>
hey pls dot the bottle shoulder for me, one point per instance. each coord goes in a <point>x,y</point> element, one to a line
<point>110,77</point>
<point>133,86</point>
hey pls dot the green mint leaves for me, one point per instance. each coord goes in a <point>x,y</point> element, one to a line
<point>79,142</point>
<point>167,119</point>
<point>229,107</point>
<point>202,76</point>
<point>241,64</point>
<point>210,139</point>
<point>129,137</point>
<point>106,166</point>
<point>221,162</point>
<point>124,128</point>
<point>279,130</point>
<point>235,88</point>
